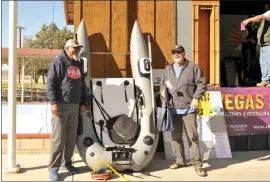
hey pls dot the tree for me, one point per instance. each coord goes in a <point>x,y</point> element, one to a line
<point>50,37</point>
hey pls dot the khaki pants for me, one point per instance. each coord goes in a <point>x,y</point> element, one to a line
<point>189,124</point>
<point>63,138</point>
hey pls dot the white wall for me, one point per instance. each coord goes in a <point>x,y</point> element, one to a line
<point>184,26</point>
<point>31,118</point>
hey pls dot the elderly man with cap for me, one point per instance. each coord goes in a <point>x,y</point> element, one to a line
<point>185,83</point>
<point>66,93</point>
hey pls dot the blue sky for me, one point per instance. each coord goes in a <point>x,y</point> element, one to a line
<point>31,15</point>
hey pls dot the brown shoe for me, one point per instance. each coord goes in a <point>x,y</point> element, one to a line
<point>200,171</point>
<point>177,165</point>
<point>262,84</point>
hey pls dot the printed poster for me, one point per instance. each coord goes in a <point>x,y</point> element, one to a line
<point>213,138</point>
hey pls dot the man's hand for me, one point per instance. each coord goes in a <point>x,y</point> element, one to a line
<point>82,108</point>
<point>245,22</point>
<point>55,110</point>
<point>194,104</point>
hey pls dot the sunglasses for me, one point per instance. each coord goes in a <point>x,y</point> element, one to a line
<point>177,52</point>
<point>77,49</point>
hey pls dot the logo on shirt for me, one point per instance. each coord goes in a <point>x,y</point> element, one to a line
<point>74,72</point>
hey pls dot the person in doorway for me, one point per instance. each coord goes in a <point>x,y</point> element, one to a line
<point>263,36</point>
<point>186,84</point>
<point>249,45</point>
<point>66,93</point>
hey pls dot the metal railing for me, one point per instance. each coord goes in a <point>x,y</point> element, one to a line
<point>38,95</point>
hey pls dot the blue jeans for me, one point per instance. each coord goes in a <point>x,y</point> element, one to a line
<point>265,63</point>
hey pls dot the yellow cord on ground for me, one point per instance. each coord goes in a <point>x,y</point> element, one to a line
<point>104,162</point>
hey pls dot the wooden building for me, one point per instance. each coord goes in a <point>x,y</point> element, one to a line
<point>193,24</point>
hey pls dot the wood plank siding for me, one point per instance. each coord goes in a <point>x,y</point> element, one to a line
<point>109,25</point>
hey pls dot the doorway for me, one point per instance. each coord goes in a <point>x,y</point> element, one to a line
<point>206,39</point>
<point>204,42</point>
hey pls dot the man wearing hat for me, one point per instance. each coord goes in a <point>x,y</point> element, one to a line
<point>66,93</point>
<point>185,84</point>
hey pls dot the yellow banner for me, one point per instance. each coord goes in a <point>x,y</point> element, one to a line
<point>204,105</point>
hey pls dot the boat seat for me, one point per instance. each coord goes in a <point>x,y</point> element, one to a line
<point>123,130</point>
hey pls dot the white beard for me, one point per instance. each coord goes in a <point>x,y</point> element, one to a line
<point>177,60</point>
<point>75,57</point>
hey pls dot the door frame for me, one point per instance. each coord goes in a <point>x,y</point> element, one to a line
<point>213,6</point>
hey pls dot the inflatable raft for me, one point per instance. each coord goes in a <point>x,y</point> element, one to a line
<point>121,132</point>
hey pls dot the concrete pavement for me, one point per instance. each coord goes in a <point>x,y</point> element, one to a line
<point>243,166</point>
